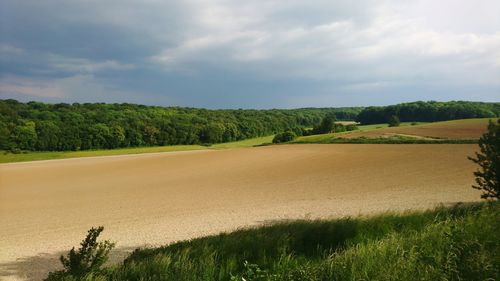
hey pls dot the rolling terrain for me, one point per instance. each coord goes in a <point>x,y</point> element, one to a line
<point>152,199</point>
<point>459,130</point>
<point>49,155</point>
<point>456,129</point>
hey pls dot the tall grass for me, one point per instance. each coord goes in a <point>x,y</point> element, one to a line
<point>459,243</point>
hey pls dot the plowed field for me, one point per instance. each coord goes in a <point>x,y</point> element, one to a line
<point>151,199</point>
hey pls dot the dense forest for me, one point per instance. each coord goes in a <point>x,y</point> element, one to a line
<point>40,126</point>
<point>56,127</point>
<point>429,111</point>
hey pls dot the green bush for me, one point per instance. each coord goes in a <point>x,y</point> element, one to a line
<point>87,261</point>
<point>393,121</point>
<point>326,126</point>
<point>284,137</point>
<point>351,127</point>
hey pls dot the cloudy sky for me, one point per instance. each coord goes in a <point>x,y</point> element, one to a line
<point>250,54</point>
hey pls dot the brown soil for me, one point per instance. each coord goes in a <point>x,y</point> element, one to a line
<point>458,129</point>
<point>152,199</point>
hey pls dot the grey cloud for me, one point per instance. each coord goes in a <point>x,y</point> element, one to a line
<point>265,53</point>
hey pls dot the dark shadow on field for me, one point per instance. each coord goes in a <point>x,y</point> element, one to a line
<point>301,237</point>
<point>38,267</point>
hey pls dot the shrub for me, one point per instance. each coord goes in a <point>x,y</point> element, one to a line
<point>85,262</point>
<point>393,121</point>
<point>326,126</point>
<point>307,132</point>
<point>351,127</point>
<point>488,176</point>
<point>284,137</point>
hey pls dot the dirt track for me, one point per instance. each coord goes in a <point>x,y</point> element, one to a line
<point>152,199</point>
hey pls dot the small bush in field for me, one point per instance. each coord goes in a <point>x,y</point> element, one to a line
<point>393,121</point>
<point>284,137</point>
<point>87,260</point>
<point>351,127</point>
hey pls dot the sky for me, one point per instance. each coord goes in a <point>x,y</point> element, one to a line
<point>250,54</point>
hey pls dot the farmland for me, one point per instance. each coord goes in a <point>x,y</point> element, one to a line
<point>456,130</point>
<point>7,157</point>
<point>249,141</point>
<point>465,129</point>
<point>158,198</point>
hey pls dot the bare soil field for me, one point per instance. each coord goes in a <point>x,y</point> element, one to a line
<point>456,129</point>
<point>46,207</point>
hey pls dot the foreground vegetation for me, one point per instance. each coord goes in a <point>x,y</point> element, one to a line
<point>457,243</point>
<point>488,159</point>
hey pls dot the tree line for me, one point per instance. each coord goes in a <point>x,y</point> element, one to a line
<point>428,111</point>
<point>37,126</point>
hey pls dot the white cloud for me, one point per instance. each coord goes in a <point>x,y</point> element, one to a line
<point>384,46</point>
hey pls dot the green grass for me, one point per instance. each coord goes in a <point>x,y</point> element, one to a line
<point>7,157</point>
<point>327,138</point>
<point>457,243</point>
<point>385,125</point>
<point>244,143</point>
<point>385,140</point>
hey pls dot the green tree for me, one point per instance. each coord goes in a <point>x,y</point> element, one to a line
<point>488,159</point>
<point>326,126</point>
<point>151,134</point>
<point>5,141</point>
<point>133,137</point>
<point>89,259</point>
<point>212,133</point>
<point>284,137</point>
<point>70,137</point>
<point>231,132</point>
<point>100,135</point>
<point>25,136</point>
<point>393,121</point>
<point>118,136</point>
<point>47,135</point>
